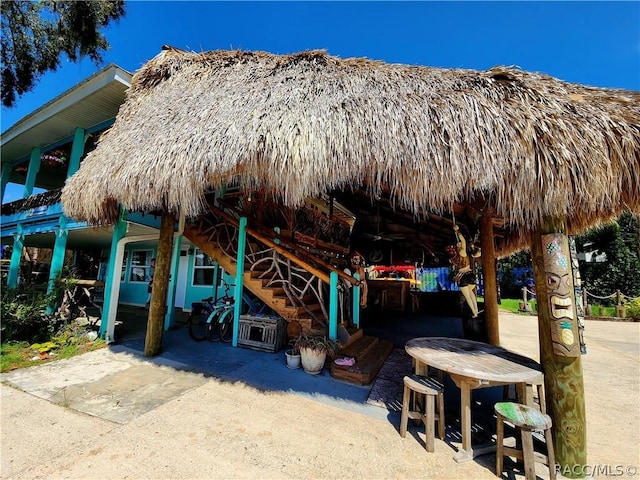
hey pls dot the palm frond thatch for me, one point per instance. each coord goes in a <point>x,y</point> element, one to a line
<point>530,145</point>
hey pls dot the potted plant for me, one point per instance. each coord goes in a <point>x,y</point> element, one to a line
<point>293,358</point>
<point>314,348</point>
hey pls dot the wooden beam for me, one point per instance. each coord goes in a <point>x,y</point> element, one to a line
<point>155,321</point>
<point>490,280</point>
<point>559,345</point>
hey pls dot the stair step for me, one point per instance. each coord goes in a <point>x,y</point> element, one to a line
<point>275,291</point>
<point>360,347</point>
<point>368,363</point>
<point>260,267</point>
<point>349,336</point>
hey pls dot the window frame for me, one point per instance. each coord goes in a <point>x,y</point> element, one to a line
<point>145,266</point>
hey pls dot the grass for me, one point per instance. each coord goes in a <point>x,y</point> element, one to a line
<point>14,355</point>
<point>513,305</point>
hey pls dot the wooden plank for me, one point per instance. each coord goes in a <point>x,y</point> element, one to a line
<point>367,367</point>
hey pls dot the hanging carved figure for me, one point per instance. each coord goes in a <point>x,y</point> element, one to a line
<point>465,275</point>
<point>357,265</point>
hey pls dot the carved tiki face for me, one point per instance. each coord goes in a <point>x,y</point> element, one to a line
<point>559,286</point>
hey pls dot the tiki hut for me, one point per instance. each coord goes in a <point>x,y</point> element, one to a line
<point>525,145</point>
<point>530,153</point>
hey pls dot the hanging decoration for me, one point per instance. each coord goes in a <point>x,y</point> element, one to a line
<point>54,159</point>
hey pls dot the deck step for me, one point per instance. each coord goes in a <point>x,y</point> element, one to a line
<point>349,335</point>
<point>370,354</point>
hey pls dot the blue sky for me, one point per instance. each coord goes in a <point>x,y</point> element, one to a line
<point>593,43</point>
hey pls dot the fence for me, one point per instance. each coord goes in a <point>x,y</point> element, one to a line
<point>621,300</point>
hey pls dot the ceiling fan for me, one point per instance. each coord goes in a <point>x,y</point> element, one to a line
<point>387,237</point>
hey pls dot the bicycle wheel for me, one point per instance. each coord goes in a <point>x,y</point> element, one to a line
<point>198,327</point>
<point>226,325</point>
<point>213,327</point>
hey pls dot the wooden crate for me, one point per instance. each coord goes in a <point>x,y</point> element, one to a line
<point>267,333</point>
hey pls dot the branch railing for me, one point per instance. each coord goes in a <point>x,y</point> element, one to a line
<point>305,281</point>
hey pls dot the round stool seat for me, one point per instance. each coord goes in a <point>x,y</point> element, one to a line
<point>526,419</point>
<point>429,389</point>
<point>523,416</point>
<point>423,385</point>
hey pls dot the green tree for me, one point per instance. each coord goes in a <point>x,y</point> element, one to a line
<point>620,242</point>
<point>506,276</point>
<point>36,33</point>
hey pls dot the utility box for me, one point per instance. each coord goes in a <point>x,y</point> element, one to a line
<point>267,333</point>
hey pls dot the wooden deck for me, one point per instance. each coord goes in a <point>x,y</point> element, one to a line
<point>370,354</point>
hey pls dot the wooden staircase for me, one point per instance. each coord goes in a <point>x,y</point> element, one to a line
<point>274,297</point>
<point>369,352</point>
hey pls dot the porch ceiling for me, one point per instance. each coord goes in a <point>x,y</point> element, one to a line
<point>90,103</point>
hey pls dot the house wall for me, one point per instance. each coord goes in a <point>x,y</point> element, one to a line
<point>134,292</point>
<point>195,293</point>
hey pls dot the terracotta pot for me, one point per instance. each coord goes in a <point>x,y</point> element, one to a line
<point>312,360</point>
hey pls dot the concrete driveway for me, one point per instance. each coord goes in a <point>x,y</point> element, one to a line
<point>115,414</point>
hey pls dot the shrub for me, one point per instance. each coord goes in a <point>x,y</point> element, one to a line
<point>633,309</point>
<point>24,314</point>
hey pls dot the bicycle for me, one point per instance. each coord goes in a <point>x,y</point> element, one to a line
<point>204,318</point>
<point>214,319</point>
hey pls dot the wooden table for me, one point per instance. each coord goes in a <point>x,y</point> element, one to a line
<point>473,365</point>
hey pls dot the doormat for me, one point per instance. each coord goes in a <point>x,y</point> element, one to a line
<point>388,386</point>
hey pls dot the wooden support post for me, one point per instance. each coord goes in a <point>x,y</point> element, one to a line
<point>112,286</point>
<point>6,174</point>
<point>57,258</point>
<point>16,257</point>
<point>563,378</point>
<point>77,149</point>
<point>356,302</point>
<point>242,243</point>
<point>32,173</point>
<point>490,280</point>
<point>155,322</point>
<point>333,306</point>
<point>169,318</point>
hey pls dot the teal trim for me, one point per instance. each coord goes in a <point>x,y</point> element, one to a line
<point>57,259</point>
<point>242,241</point>
<point>6,172</point>
<point>113,275</point>
<point>77,149</point>
<point>101,126</point>
<point>36,220</point>
<point>34,168</point>
<point>144,219</point>
<point>216,272</point>
<point>333,305</point>
<point>170,317</point>
<point>356,302</point>
<point>16,256</point>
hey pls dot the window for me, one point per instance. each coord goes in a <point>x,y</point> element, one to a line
<point>140,266</point>
<point>123,272</point>
<point>203,268</point>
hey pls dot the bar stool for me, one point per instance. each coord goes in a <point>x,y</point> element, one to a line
<point>528,419</point>
<point>430,389</point>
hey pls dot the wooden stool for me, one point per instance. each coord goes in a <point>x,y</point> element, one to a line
<point>383,300</point>
<point>528,419</point>
<point>429,388</point>
<point>415,302</point>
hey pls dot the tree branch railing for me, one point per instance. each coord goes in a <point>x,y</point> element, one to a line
<point>304,281</point>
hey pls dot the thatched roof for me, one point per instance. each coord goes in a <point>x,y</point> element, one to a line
<point>527,144</point>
